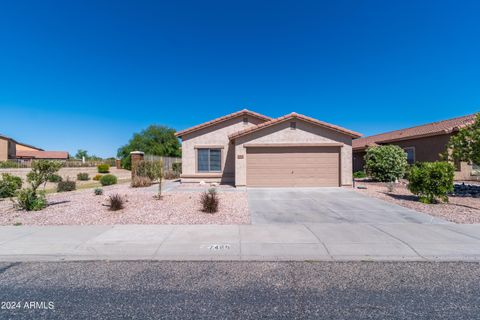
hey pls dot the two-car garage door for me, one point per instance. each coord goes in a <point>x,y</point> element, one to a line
<point>293,166</point>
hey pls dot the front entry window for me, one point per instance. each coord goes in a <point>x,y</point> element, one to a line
<point>209,160</point>
<point>410,155</point>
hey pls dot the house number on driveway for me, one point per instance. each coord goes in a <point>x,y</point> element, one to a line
<point>217,247</point>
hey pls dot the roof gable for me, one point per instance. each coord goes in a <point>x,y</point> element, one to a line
<point>222,119</point>
<point>290,116</point>
<point>425,130</point>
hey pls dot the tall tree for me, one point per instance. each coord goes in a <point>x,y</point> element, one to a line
<point>156,140</point>
<point>465,145</point>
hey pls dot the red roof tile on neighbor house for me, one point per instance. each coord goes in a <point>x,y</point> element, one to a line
<point>294,115</point>
<point>430,129</point>
<point>221,119</point>
<point>43,154</point>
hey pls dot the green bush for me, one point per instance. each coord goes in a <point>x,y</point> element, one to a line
<point>177,167</point>
<point>97,177</point>
<point>54,178</point>
<point>431,180</point>
<point>359,174</point>
<point>108,179</point>
<point>98,191</point>
<point>150,169</point>
<point>386,163</point>
<point>9,185</point>
<point>83,176</point>
<point>103,168</point>
<point>30,200</point>
<point>9,164</point>
<point>67,185</point>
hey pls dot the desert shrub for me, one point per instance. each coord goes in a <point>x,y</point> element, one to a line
<point>83,176</point>
<point>115,202</point>
<point>9,185</point>
<point>431,180</point>
<point>67,185</point>
<point>359,174</point>
<point>103,168</point>
<point>97,177</point>
<point>98,191</point>
<point>30,200</point>
<point>9,164</point>
<point>177,167</point>
<point>150,169</point>
<point>41,171</point>
<point>210,201</point>
<point>140,182</point>
<point>386,163</point>
<point>54,178</point>
<point>108,180</point>
<point>170,175</point>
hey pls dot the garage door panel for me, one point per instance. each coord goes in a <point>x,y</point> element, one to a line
<point>293,166</point>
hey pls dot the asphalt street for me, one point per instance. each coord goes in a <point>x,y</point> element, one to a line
<point>239,290</point>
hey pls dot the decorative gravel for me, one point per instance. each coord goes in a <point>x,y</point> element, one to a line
<point>458,210</point>
<point>84,208</point>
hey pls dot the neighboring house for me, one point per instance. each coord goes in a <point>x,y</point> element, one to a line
<point>421,143</point>
<point>13,150</point>
<point>249,149</point>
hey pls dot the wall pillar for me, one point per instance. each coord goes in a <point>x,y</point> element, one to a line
<point>136,156</point>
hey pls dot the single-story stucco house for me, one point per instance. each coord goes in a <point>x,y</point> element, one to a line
<point>421,143</point>
<point>246,148</point>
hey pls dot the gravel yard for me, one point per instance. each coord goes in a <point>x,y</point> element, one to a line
<point>84,208</point>
<point>458,210</point>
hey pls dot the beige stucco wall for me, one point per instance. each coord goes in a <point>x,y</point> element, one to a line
<point>21,147</point>
<point>304,133</point>
<point>3,149</point>
<point>7,149</point>
<point>213,135</point>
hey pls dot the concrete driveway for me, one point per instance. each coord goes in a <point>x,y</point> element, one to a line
<point>326,205</point>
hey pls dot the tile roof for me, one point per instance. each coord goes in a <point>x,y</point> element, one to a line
<point>429,129</point>
<point>292,116</point>
<point>221,119</point>
<point>43,154</point>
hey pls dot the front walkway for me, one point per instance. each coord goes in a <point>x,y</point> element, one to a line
<point>309,241</point>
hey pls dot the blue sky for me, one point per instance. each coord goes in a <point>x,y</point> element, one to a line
<point>87,74</point>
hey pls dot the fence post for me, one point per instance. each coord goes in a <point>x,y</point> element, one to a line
<point>137,156</point>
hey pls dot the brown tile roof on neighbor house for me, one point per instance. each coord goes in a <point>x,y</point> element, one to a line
<point>426,130</point>
<point>290,116</point>
<point>42,154</point>
<point>221,119</point>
